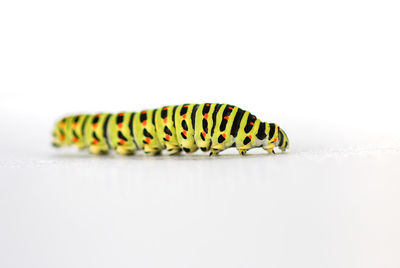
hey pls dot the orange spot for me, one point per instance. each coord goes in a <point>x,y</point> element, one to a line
<point>143,112</point>
<point>184,132</point>
<point>224,135</point>
<point>254,117</point>
<point>121,141</point>
<point>167,137</point>
<point>62,137</point>
<point>230,108</point>
<point>75,139</point>
<point>95,125</point>
<point>250,137</point>
<point>165,108</point>
<point>95,141</point>
<point>148,140</point>
<point>121,114</point>
<point>186,105</point>
<point>119,125</point>
<point>204,134</point>
<point>251,123</point>
<point>206,116</point>
<point>275,140</point>
<point>144,122</point>
<point>74,124</point>
<point>62,124</point>
<point>226,117</point>
<point>97,115</point>
<point>165,120</point>
<point>184,116</point>
<point>207,104</point>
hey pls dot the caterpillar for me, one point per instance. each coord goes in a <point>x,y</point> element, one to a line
<point>211,127</point>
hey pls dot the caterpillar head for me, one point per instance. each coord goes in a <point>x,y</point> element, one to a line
<point>283,141</point>
<point>59,136</point>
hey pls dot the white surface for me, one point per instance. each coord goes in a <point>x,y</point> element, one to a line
<point>327,72</point>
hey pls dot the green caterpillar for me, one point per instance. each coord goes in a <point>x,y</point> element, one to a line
<point>187,127</point>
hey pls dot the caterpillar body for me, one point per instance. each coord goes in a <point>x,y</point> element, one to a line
<point>210,126</point>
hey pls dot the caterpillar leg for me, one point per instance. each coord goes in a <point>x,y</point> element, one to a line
<point>214,152</point>
<point>125,151</point>
<point>172,149</point>
<point>270,148</point>
<point>151,150</point>
<point>95,149</point>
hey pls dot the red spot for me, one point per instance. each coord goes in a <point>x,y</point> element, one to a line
<point>184,116</point>
<point>144,112</point>
<point>230,108</point>
<point>167,137</point>
<point>165,120</point>
<point>95,125</point>
<point>165,108</point>
<point>74,124</point>
<point>62,137</point>
<point>250,137</point>
<point>224,135</point>
<point>75,139</point>
<point>207,104</point>
<point>206,116</point>
<point>226,117</point>
<point>184,132</point>
<point>204,134</point>
<point>251,123</point>
<point>254,117</point>
<point>186,105</point>
<point>121,141</point>
<point>121,114</point>
<point>148,140</point>
<point>95,141</point>
<point>97,115</point>
<point>119,125</point>
<point>144,122</point>
<point>275,140</point>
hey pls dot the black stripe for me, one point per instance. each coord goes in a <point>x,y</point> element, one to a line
<point>95,136</point>
<point>131,124</point>
<point>76,119</point>
<point>184,109</point>
<point>280,137</point>
<point>153,117</point>
<point>271,130</point>
<point>143,116</point>
<point>205,125</point>
<point>147,134</point>
<point>119,119</point>
<point>206,108</point>
<point>221,139</point>
<point>214,117</point>
<point>249,126</point>
<point>121,136</point>
<point>236,122</point>
<point>105,134</point>
<point>83,126</point>
<point>261,132</point>
<point>164,112</point>
<point>167,131</point>
<point>184,125</point>
<point>75,134</point>
<point>173,115</point>
<point>193,116</point>
<point>95,119</point>
<point>246,141</point>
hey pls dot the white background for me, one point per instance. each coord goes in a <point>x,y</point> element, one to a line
<point>326,71</point>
